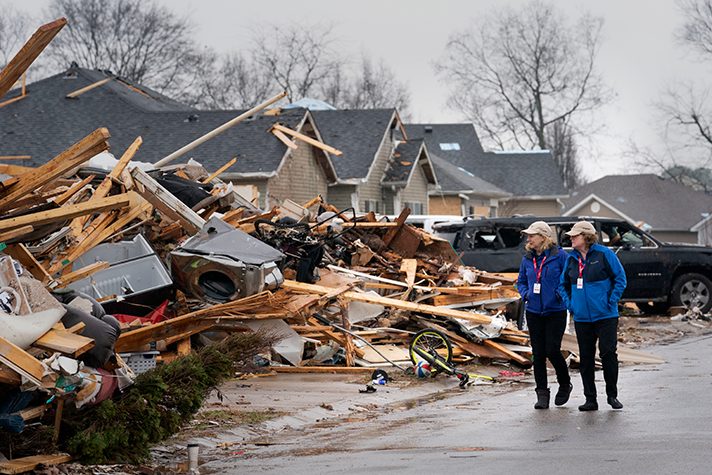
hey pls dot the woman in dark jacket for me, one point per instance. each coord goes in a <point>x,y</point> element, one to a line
<point>592,283</point>
<point>538,285</point>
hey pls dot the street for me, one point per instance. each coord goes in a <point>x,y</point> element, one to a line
<point>665,427</point>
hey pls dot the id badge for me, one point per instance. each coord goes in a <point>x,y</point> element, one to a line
<point>537,288</point>
<point>579,283</point>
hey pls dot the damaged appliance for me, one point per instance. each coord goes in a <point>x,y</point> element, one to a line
<point>134,284</point>
<point>221,263</point>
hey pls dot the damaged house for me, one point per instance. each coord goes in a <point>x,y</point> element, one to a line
<point>506,183</point>
<point>273,150</point>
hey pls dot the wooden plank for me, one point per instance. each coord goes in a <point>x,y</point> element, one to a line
<point>105,186</point>
<point>79,92</point>
<point>73,190</point>
<point>70,277</point>
<point>6,236</point>
<point>28,53</point>
<point>165,202</point>
<point>307,139</point>
<point>64,342</point>
<point>21,361</point>
<point>32,413</point>
<point>19,252</point>
<point>284,139</point>
<point>400,221</point>
<point>219,171</point>
<point>408,267</point>
<point>26,464</point>
<point>75,155</point>
<point>414,307</point>
<point>67,212</point>
<point>8,376</point>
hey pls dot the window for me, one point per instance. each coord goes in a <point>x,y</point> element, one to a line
<point>415,207</point>
<point>512,237</point>
<point>450,146</point>
<point>620,234</point>
<point>482,238</point>
<point>371,205</point>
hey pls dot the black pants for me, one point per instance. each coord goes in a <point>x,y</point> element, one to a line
<point>545,333</point>
<point>605,331</point>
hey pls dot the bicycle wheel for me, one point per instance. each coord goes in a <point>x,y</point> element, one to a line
<point>430,342</point>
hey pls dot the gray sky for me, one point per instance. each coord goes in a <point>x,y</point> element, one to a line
<point>638,59</point>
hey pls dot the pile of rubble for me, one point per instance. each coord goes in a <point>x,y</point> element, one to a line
<point>110,267</point>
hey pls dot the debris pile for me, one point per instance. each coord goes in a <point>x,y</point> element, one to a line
<point>108,273</point>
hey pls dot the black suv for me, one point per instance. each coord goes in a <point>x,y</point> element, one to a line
<point>659,274</point>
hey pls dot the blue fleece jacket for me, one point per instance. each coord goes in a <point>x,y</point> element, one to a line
<point>603,284</point>
<point>548,300</point>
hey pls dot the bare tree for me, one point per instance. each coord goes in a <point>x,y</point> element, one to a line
<point>136,39</point>
<point>231,81</point>
<point>562,143</point>
<point>517,73</point>
<point>374,86</point>
<point>14,31</point>
<point>298,58</point>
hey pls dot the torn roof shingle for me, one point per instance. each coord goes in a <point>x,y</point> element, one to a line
<point>404,159</point>
<point>45,123</point>
<point>358,133</point>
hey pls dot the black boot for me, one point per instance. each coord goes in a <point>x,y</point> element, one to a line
<point>589,405</point>
<point>614,403</point>
<point>542,399</point>
<point>562,395</point>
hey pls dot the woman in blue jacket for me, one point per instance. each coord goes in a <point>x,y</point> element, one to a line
<point>591,284</point>
<point>538,284</point>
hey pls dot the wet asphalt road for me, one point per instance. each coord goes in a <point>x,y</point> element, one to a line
<point>665,427</point>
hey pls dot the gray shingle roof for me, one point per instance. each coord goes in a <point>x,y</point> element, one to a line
<point>663,204</point>
<point>45,123</point>
<point>519,173</point>
<point>454,179</point>
<point>403,161</point>
<point>358,133</point>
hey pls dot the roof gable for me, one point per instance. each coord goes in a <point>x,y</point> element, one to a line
<point>663,204</point>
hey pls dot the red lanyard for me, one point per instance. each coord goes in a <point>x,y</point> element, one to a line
<point>538,270</point>
<point>581,267</point>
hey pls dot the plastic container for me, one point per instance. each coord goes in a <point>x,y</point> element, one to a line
<point>140,362</point>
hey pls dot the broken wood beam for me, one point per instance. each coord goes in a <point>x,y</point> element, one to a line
<point>79,92</point>
<point>28,53</point>
<point>21,361</point>
<point>64,342</point>
<point>388,302</point>
<point>307,139</point>
<point>67,212</point>
<point>27,464</point>
<point>220,170</point>
<point>182,151</point>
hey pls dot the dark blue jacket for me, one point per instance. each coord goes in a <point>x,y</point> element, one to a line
<point>603,284</point>
<point>548,300</point>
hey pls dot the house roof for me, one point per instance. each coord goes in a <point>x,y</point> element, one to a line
<point>45,123</point>
<point>522,174</point>
<point>358,133</point>
<point>456,180</point>
<point>406,159</point>
<point>663,204</point>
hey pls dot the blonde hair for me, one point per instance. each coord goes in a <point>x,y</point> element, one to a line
<point>547,244</point>
<point>590,239</point>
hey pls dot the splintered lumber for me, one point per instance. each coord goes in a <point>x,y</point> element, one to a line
<point>6,236</point>
<point>409,266</point>
<point>166,160</point>
<point>28,53</point>
<point>400,220</point>
<point>20,253</point>
<point>306,138</point>
<point>26,464</point>
<point>73,190</point>
<point>8,376</point>
<point>64,342</point>
<point>67,212</point>
<point>105,186</point>
<point>219,171</point>
<point>32,412</point>
<point>284,139</point>
<point>80,152</point>
<point>21,361</point>
<point>401,304</point>
<point>165,202</point>
<point>79,92</point>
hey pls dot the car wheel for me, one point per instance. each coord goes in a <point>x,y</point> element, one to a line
<point>654,308</point>
<point>692,290</point>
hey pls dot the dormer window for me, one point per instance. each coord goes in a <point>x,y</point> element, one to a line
<point>450,146</point>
